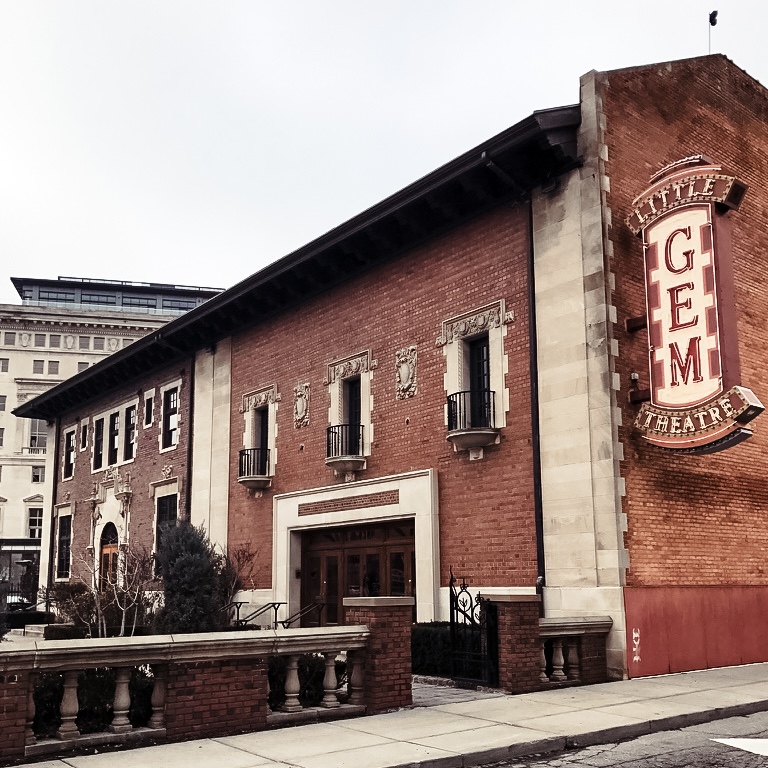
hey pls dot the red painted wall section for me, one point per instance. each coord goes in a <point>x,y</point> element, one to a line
<point>675,629</point>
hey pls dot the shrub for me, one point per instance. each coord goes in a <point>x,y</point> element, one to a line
<point>431,648</point>
<point>189,566</point>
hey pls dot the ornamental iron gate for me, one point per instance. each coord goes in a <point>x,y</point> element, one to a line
<point>474,637</point>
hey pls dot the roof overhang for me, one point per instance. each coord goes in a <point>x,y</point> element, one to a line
<point>504,169</point>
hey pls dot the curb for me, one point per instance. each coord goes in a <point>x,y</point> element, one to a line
<point>554,744</point>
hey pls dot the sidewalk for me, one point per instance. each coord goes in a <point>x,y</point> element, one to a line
<point>453,728</point>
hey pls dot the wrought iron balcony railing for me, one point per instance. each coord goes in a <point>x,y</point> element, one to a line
<point>471,421</point>
<point>344,449</point>
<point>253,468</point>
<point>344,440</point>
<point>473,409</point>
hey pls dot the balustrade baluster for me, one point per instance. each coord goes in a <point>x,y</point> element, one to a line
<point>122,703</point>
<point>69,706</point>
<point>157,720</point>
<point>292,686</point>
<point>572,657</point>
<point>356,692</point>
<point>330,697</point>
<point>557,660</point>
<point>543,677</point>
<point>29,734</point>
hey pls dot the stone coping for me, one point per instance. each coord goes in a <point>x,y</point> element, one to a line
<point>575,625</point>
<point>377,602</point>
<point>160,649</point>
<point>511,598</point>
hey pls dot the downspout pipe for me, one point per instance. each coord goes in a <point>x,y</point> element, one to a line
<point>190,429</point>
<point>51,507</point>
<point>538,509</point>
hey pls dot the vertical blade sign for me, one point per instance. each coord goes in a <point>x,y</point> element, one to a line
<point>697,403</point>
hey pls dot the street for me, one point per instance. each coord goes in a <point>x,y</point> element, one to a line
<point>686,747</point>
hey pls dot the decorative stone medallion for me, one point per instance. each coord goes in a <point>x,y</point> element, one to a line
<point>301,406</point>
<point>405,372</point>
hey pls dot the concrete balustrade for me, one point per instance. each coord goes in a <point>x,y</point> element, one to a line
<point>573,650</point>
<point>204,685</point>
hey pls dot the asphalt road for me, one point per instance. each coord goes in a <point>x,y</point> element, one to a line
<point>691,747</point>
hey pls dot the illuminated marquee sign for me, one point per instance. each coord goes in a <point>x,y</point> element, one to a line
<point>697,403</point>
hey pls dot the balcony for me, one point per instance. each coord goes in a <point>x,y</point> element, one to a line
<point>33,450</point>
<point>344,448</point>
<point>471,421</point>
<point>253,468</point>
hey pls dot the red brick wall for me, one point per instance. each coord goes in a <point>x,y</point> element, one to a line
<point>13,713</point>
<point>593,660</point>
<point>486,507</point>
<point>519,646</point>
<point>147,465</point>
<point>387,668</point>
<point>216,698</point>
<point>693,520</point>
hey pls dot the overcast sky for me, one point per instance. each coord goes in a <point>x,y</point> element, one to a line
<point>195,141</point>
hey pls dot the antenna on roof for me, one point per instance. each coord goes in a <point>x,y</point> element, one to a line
<point>712,22</point>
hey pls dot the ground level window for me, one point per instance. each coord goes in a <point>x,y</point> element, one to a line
<point>167,509</point>
<point>63,546</point>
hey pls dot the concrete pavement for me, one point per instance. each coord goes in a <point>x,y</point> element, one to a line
<point>453,728</point>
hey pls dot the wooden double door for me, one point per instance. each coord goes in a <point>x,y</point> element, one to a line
<point>355,561</point>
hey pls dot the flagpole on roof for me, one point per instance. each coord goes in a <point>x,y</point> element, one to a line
<point>712,22</point>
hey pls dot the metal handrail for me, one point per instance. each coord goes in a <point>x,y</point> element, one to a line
<point>251,616</point>
<point>303,612</point>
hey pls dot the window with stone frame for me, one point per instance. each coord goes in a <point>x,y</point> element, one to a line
<point>38,474</point>
<point>68,469</point>
<point>129,438</point>
<point>98,443</point>
<point>350,432</point>
<point>113,444</point>
<point>166,514</point>
<point>35,522</point>
<point>169,436</point>
<point>38,435</point>
<point>476,364</point>
<point>63,545</point>
<point>149,401</point>
<point>259,454</point>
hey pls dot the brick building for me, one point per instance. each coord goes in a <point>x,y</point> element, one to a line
<point>453,380</point>
<point>62,327</point>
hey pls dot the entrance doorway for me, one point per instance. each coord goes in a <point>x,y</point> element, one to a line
<point>108,557</point>
<point>355,561</point>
